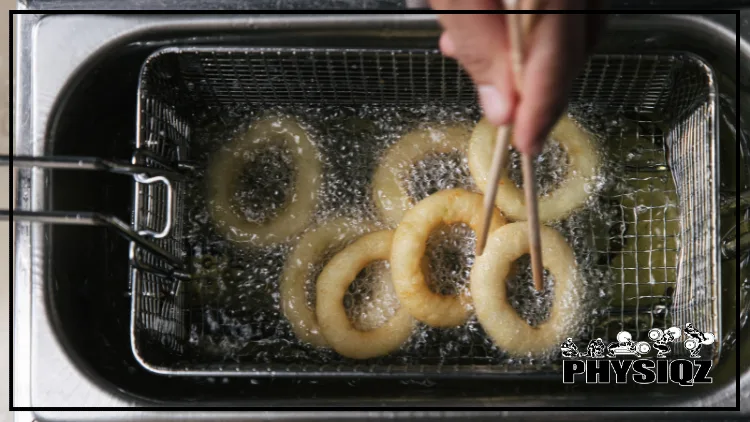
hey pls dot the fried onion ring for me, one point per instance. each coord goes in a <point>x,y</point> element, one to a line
<point>389,188</point>
<point>409,245</point>
<point>227,165</point>
<point>332,285</point>
<point>583,162</point>
<point>489,291</point>
<point>312,247</point>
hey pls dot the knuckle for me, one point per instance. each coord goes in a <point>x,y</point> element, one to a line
<point>477,64</point>
<point>446,45</point>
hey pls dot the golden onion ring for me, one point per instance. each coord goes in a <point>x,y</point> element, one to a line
<point>489,291</point>
<point>389,188</point>
<point>227,165</point>
<point>410,242</point>
<point>333,284</point>
<point>571,194</point>
<point>312,247</point>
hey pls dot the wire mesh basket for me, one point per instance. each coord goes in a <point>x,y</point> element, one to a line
<point>658,113</point>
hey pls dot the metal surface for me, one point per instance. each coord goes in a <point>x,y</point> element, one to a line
<point>84,163</point>
<point>340,4</point>
<point>49,372</point>
<point>82,218</point>
<point>676,91</point>
<point>87,218</point>
<point>271,5</point>
<point>697,290</point>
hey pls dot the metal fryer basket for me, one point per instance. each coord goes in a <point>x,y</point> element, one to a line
<point>668,104</point>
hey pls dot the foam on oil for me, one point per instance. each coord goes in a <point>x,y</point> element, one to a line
<point>234,305</point>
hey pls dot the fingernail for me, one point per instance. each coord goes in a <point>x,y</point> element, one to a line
<point>494,104</point>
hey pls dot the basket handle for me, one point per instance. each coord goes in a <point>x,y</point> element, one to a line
<point>738,239</point>
<point>90,219</point>
<point>144,175</point>
<point>70,162</point>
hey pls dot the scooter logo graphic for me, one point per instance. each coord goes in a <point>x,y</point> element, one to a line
<point>623,358</point>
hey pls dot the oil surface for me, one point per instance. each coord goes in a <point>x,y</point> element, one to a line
<point>623,238</point>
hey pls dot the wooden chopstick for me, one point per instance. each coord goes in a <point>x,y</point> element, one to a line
<point>532,215</point>
<point>498,161</point>
<point>527,161</point>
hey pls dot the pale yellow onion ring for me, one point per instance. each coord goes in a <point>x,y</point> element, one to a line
<point>409,245</point>
<point>332,285</point>
<point>559,203</point>
<point>389,188</point>
<point>312,247</point>
<point>227,164</point>
<point>489,291</point>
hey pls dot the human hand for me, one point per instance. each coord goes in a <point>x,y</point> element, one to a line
<point>556,46</point>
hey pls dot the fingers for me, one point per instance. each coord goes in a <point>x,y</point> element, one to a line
<point>552,62</point>
<point>465,4</point>
<point>479,43</point>
<point>556,47</point>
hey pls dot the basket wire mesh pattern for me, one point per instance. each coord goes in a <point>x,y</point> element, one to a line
<point>159,302</point>
<point>667,277</point>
